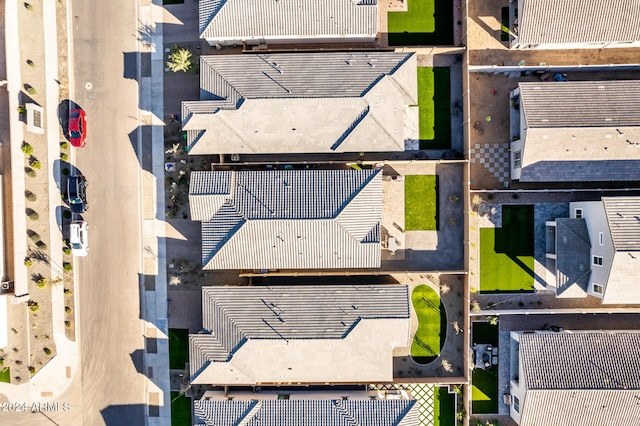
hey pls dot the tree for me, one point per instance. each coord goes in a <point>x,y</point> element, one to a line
<point>180,59</point>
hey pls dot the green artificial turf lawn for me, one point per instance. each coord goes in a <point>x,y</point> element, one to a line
<point>484,333</point>
<point>484,391</point>
<point>178,348</point>
<point>5,375</point>
<point>506,254</point>
<point>428,340</point>
<point>419,18</point>
<point>420,202</point>
<point>434,107</point>
<point>180,410</point>
<point>444,407</point>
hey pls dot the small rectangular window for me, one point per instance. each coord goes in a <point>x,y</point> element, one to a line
<point>597,260</point>
<point>601,237</point>
<point>517,159</point>
<point>516,404</point>
<point>578,213</point>
<point>597,288</point>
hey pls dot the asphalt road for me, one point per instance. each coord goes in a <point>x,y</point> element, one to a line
<point>112,390</point>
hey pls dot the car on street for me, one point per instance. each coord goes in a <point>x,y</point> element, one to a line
<point>79,238</point>
<point>76,194</point>
<point>77,127</point>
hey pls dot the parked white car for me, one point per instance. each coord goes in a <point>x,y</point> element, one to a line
<point>79,238</point>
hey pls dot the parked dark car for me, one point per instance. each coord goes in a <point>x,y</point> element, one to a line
<point>76,194</point>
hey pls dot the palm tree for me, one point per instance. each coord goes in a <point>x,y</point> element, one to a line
<point>180,59</point>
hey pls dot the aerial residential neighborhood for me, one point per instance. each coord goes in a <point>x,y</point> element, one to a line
<point>320,212</point>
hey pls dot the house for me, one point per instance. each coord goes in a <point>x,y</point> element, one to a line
<point>596,251</point>
<point>587,378</point>
<point>320,407</point>
<point>299,334</point>
<point>288,219</point>
<point>303,103</point>
<point>575,131</point>
<point>575,24</point>
<point>260,22</point>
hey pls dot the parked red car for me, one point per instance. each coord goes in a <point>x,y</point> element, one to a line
<point>77,128</point>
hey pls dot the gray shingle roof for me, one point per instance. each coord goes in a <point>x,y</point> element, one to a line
<point>571,104</point>
<point>623,216</point>
<point>578,21</point>
<point>580,407</point>
<point>245,19</point>
<point>581,131</point>
<point>307,412</point>
<point>288,219</point>
<point>234,315</point>
<point>594,360</point>
<point>572,256</point>
<point>291,102</point>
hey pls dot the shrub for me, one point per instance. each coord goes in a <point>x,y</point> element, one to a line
<point>35,163</point>
<point>66,214</point>
<point>65,171</point>
<point>35,237</point>
<point>68,309</point>
<point>32,369</point>
<point>67,324</point>
<point>47,351</point>
<point>22,109</point>
<point>515,196</point>
<point>27,149</point>
<point>31,90</point>
<point>28,262</point>
<point>68,292</point>
<point>67,266</point>
<point>18,362</point>
<point>64,156</point>
<point>32,214</point>
<point>28,6</point>
<point>29,172</point>
<point>30,195</point>
<point>490,196</point>
<point>180,59</point>
<point>33,306</point>
<point>64,144</point>
<point>31,63</point>
<point>42,282</point>
<point>66,250</point>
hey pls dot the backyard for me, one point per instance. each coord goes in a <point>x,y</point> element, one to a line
<point>432,322</point>
<point>444,407</point>
<point>421,202</point>
<point>484,390</point>
<point>506,254</point>
<point>426,22</point>
<point>178,348</point>
<point>434,107</point>
<point>180,410</point>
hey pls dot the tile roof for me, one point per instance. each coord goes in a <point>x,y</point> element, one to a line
<point>623,216</point>
<point>246,19</point>
<point>291,102</point>
<point>578,21</point>
<point>307,412</point>
<point>569,104</point>
<point>589,360</point>
<point>581,131</point>
<point>573,257</point>
<point>288,219</point>
<point>580,407</point>
<point>283,315</point>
